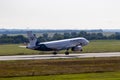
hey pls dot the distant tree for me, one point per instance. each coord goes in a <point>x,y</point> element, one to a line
<point>82,34</point>
<point>67,35</point>
<point>57,36</point>
<point>45,35</point>
<point>74,34</point>
<point>19,39</point>
<point>41,39</point>
<point>99,36</point>
<point>111,36</point>
<point>5,39</point>
<point>117,35</point>
<point>88,36</point>
<point>4,36</point>
<point>13,39</point>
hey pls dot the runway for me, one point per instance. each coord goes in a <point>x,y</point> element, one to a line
<point>58,56</point>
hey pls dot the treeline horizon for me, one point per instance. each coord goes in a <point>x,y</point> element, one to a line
<point>5,39</point>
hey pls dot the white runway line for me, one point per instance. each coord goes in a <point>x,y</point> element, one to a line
<point>50,56</point>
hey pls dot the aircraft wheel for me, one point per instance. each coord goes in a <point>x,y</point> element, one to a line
<point>54,53</point>
<point>81,50</point>
<point>66,53</point>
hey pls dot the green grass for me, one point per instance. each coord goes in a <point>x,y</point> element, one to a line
<point>94,46</point>
<point>58,66</point>
<point>84,76</point>
<point>14,49</point>
<point>102,46</point>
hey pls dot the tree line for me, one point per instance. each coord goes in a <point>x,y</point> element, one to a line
<point>5,39</point>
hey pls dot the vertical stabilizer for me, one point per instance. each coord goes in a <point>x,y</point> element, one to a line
<point>32,39</point>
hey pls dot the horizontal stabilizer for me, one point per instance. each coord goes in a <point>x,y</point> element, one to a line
<point>22,46</point>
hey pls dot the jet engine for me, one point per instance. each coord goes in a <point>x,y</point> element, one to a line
<point>77,48</point>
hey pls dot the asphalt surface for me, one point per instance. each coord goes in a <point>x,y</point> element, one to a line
<point>58,56</point>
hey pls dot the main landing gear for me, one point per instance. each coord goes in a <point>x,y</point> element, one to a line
<point>55,53</point>
<point>66,53</point>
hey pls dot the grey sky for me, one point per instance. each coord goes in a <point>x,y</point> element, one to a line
<point>60,14</point>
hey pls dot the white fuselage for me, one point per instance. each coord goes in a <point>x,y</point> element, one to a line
<point>62,44</point>
<point>73,43</point>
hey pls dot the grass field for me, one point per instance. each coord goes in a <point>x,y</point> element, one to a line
<point>83,76</point>
<point>94,46</point>
<point>58,66</point>
<point>103,46</point>
<point>14,49</point>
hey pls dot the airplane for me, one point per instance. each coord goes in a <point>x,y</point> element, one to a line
<point>75,44</point>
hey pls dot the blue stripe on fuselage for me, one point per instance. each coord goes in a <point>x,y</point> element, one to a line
<point>43,47</point>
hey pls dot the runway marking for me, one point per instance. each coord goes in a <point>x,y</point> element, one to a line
<point>58,56</point>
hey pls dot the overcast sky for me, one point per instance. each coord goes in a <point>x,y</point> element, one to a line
<point>60,14</point>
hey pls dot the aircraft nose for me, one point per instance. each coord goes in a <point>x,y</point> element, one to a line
<point>87,42</point>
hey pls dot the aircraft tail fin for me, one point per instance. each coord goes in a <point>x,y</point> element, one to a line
<point>32,39</point>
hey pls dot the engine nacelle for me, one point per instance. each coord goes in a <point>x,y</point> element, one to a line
<point>77,48</point>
